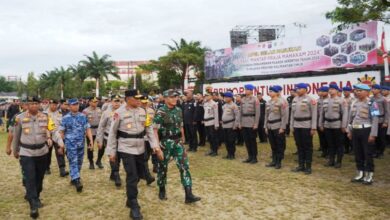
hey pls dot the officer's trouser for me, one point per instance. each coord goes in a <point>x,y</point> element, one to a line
<point>173,148</point>
<point>363,149</point>
<point>334,140</point>
<point>60,158</point>
<point>149,153</point>
<point>278,144</point>
<point>324,146</point>
<point>304,142</point>
<point>347,143</point>
<point>239,137</point>
<point>191,136</point>
<point>75,155</point>
<point>114,165</point>
<point>212,137</point>
<point>201,131</point>
<point>221,136</point>
<point>380,141</point>
<point>230,141</point>
<point>34,171</point>
<point>249,135</point>
<point>90,152</point>
<point>134,166</point>
<point>261,132</point>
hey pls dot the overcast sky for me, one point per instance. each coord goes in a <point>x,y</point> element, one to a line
<point>39,35</point>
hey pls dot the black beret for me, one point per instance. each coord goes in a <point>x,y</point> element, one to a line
<point>53,101</point>
<point>33,99</point>
<point>131,93</point>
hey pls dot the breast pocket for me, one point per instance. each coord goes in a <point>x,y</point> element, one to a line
<point>26,128</point>
<point>363,113</point>
<point>304,107</point>
<point>42,126</point>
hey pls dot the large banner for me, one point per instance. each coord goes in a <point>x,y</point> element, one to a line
<point>352,47</point>
<point>315,82</point>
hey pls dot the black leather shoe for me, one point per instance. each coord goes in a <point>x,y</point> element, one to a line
<point>329,164</point>
<point>307,171</point>
<point>63,173</point>
<point>272,164</point>
<point>99,164</point>
<point>247,160</point>
<point>48,172</point>
<point>162,193</point>
<point>91,166</point>
<point>34,209</point>
<point>78,185</point>
<point>135,210</point>
<point>337,165</point>
<point>298,169</point>
<point>254,161</point>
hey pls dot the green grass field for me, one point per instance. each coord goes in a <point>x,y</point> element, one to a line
<point>229,190</point>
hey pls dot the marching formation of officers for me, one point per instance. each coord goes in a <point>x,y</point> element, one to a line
<point>136,129</point>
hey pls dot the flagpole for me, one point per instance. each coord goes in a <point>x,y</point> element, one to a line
<point>385,59</point>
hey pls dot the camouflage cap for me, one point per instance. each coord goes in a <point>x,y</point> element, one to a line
<point>170,93</point>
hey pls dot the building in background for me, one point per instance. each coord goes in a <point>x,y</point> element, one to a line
<point>128,69</point>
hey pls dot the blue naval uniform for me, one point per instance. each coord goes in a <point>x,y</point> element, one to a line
<point>74,126</point>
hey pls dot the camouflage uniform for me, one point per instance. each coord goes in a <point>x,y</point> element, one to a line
<point>74,126</point>
<point>169,123</point>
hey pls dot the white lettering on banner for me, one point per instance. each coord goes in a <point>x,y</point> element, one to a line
<point>315,82</point>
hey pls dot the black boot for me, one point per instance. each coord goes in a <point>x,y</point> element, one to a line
<point>300,168</point>
<point>308,169</point>
<point>135,210</point>
<point>278,164</point>
<point>48,172</point>
<point>330,162</point>
<point>78,185</point>
<point>63,173</point>
<point>34,209</point>
<point>116,178</point>
<point>148,177</point>
<point>162,195</point>
<point>247,160</point>
<point>99,164</point>
<point>91,165</point>
<point>338,162</point>
<point>190,198</point>
<point>273,163</point>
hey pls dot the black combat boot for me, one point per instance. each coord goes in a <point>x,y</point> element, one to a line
<point>308,169</point>
<point>116,178</point>
<point>91,165</point>
<point>273,163</point>
<point>135,210</point>
<point>300,168</point>
<point>148,177</point>
<point>78,185</point>
<point>338,162</point>
<point>190,198</point>
<point>99,164</point>
<point>247,160</point>
<point>330,162</point>
<point>162,193</point>
<point>34,208</point>
<point>63,173</point>
<point>278,164</point>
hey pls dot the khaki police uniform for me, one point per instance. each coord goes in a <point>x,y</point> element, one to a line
<point>211,123</point>
<point>93,116</point>
<point>250,115</point>
<point>230,122</point>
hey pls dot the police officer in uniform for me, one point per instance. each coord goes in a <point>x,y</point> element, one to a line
<point>362,130</point>
<point>211,123</point>
<point>31,143</point>
<point>230,123</point>
<point>94,114</point>
<point>126,141</point>
<point>239,137</point>
<point>199,113</point>
<point>102,135</point>
<point>304,124</point>
<point>189,121</point>
<point>380,141</point>
<point>349,100</point>
<point>260,129</point>
<point>145,104</point>
<point>250,114</point>
<point>276,118</point>
<point>333,122</point>
<point>323,94</point>
<point>56,117</point>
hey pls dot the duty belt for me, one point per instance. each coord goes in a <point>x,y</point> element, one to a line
<point>95,126</point>
<point>208,119</point>
<point>225,122</point>
<point>274,121</point>
<point>248,115</point>
<point>32,146</point>
<point>332,119</point>
<point>126,135</point>
<point>303,119</point>
<point>361,126</point>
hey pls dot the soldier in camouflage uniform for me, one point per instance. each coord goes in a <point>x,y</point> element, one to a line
<point>74,127</point>
<point>94,114</point>
<point>169,126</point>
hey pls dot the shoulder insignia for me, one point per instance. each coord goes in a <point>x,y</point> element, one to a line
<point>116,116</point>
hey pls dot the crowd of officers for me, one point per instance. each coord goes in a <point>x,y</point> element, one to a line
<point>139,127</point>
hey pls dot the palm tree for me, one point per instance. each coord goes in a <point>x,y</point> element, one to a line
<point>185,56</point>
<point>99,68</point>
<point>61,75</point>
<point>79,71</point>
